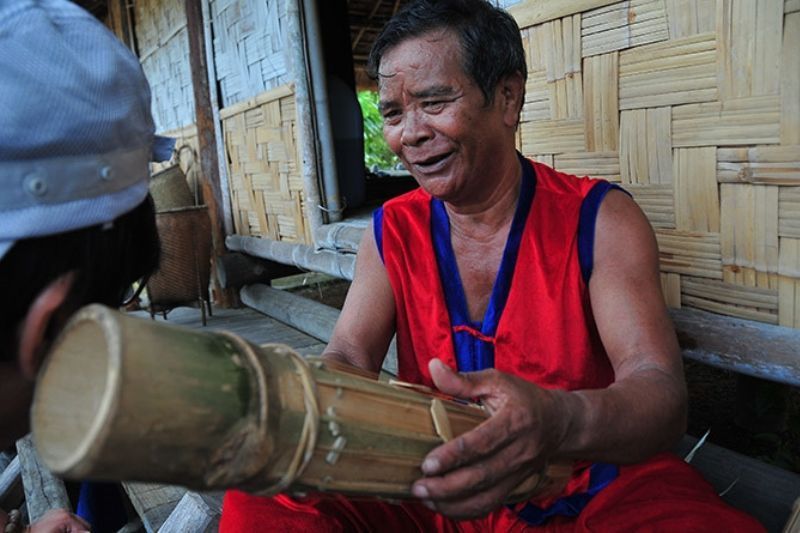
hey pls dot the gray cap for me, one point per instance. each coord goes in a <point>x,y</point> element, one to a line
<point>76,133</point>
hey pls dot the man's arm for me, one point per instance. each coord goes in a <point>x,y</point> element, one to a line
<point>641,413</point>
<point>366,324</point>
<point>644,410</point>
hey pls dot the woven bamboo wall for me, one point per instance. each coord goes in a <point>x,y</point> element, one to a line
<point>694,106</point>
<point>264,167</point>
<point>249,47</point>
<point>164,54</point>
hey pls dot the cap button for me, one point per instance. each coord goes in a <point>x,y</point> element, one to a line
<point>35,185</point>
<point>106,173</point>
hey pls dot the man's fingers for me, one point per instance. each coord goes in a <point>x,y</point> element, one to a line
<point>470,447</point>
<point>469,385</point>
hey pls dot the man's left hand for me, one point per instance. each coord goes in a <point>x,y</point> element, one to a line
<point>473,474</point>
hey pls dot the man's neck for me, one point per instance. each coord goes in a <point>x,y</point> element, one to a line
<point>493,209</point>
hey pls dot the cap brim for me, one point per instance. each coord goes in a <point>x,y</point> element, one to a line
<point>5,246</point>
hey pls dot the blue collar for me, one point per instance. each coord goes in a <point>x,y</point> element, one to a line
<point>473,342</point>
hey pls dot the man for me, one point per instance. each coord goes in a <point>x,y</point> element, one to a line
<point>76,222</point>
<point>541,288</point>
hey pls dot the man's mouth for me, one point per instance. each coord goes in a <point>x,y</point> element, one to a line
<point>432,161</point>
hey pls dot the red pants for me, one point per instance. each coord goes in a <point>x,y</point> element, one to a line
<point>664,494</point>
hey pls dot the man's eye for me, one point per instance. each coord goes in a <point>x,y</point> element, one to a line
<point>390,115</point>
<point>434,105</point>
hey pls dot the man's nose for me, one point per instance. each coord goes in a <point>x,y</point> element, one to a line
<point>416,129</point>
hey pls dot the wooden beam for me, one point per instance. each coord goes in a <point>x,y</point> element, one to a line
<point>310,317</point>
<point>764,491</point>
<point>206,135</point>
<point>744,346</point>
<point>531,12</point>
<point>153,503</point>
<point>195,512</point>
<point>43,490</point>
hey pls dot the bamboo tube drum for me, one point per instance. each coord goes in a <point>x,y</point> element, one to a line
<point>122,398</point>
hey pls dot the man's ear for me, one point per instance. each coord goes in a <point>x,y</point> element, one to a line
<point>34,327</point>
<point>512,92</point>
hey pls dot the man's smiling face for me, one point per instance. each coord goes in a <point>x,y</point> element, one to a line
<point>436,118</point>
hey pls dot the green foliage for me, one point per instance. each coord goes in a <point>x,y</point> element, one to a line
<point>376,151</point>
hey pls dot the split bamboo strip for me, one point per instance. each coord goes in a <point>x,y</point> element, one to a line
<point>622,25</point>
<point>531,12</point>
<point>789,261</point>
<point>749,220</point>
<point>692,253</point>
<point>669,73</point>
<point>600,102</point>
<point>566,97</point>
<point>690,17</point>
<point>754,120</point>
<point>553,136</point>
<point>717,296</point>
<point>595,164</point>
<point>789,212</point>
<point>697,204</point>
<point>767,165</point>
<point>750,44</point>
<point>766,64</point>
<point>789,283</point>
<point>560,47</point>
<point>657,202</point>
<point>646,146</point>
<point>671,288</point>
<point>749,277</point>
<point>790,80</point>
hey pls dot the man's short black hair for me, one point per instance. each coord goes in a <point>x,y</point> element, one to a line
<point>107,260</point>
<point>491,44</point>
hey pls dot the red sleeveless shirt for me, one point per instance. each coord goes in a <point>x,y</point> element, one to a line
<point>545,332</point>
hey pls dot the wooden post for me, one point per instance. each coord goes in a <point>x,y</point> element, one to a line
<point>43,490</point>
<point>207,142</point>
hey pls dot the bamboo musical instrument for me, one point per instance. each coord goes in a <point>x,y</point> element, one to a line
<point>122,398</point>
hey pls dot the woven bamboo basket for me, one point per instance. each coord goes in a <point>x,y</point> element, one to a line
<point>185,268</point>
<point>170,190</point>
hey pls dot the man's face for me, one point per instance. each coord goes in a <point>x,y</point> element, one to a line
<point>436,118</point>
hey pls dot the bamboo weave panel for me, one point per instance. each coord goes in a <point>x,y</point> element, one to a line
<point>164,53</point>
<point>693,253</point>
<point>597,164</point>
<point>694,106</point>
<point>623,25</point>
<point>263,170</point>
<point>249,47</point>
<point>674,72</point>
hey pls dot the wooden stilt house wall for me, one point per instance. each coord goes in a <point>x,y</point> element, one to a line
<point>694,107</point>
<point>256,100</point>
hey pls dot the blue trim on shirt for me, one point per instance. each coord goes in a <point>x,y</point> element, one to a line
<point>377,229</point>
<point>588,219</point>
<point>473,353</point>
<point>600,475</point>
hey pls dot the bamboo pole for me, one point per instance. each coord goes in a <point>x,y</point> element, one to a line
<point>159,403</point>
